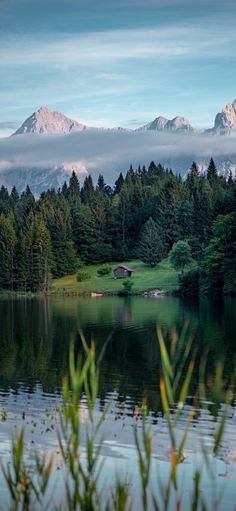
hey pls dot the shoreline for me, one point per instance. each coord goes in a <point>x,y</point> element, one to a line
<point>147,293</point>
<point>151,292</point>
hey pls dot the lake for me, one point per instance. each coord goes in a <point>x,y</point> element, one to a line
<point>35,341</point>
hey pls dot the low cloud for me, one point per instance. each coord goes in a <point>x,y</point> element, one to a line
<point>112,152</point>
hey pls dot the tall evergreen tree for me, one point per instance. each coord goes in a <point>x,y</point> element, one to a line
<point>151,248</point>
<point>7,252</point>
<point>87,191</point>
<point>119,183</point>
<point>212,172</point>
<point>74,186</point>
<point>41,256</point>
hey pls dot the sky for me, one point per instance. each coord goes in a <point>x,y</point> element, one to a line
<point>116,63</point>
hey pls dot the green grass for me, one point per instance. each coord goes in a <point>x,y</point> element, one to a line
<point>162,276</point>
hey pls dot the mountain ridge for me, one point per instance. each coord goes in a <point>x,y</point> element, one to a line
<point>161,123</point>
<point>45,121</point>
<point>43,162</point>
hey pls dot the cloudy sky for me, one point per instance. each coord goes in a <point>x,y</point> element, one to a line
<point>116,62</point>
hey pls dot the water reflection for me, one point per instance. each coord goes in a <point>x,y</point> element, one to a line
<point>35,338</point>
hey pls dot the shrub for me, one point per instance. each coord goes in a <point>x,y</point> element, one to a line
<point>104,270</point>
<point>82,275</point>
<point>127,288</point>
<point>80,263</point>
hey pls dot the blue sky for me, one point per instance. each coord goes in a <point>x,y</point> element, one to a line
<point>117,63</point>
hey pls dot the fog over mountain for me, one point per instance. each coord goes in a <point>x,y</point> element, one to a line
<point>49,146</point>
<point>47,160</point>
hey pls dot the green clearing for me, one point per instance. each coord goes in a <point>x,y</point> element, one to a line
<point>163,276</point>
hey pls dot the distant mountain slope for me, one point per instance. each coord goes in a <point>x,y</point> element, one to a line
<point>46,161</point>
<point>163,124</point>
<point>39,178</point>
<point>45,121</point>
<point>225,121</point>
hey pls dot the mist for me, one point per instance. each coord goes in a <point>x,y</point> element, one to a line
<point>109,152</point>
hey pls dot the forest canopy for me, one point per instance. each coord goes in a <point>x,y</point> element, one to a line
<point>143,216</point>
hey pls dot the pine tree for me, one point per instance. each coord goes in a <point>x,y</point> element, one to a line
<point>101,183</point>
<point>194,170</point>
<point>64,190</point>
<point>119,183</point>
<point>41,256</point>
<point>101,212</point>
<point>87,191</point>
<point>151,246</point>
<point>62,245</point>
<point>21,270</point>
<point>212,172</point>
<point>7,251</point>
<point>74,186</point>
<point>84,234</point>
<point>14,196</point>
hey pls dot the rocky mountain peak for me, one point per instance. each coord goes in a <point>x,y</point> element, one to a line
<point>225,121</point>
<point>48,122</point>
<point>162,124</point>
<point>180,123</point>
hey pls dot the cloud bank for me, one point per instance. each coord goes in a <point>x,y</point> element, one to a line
<point>108,153</point>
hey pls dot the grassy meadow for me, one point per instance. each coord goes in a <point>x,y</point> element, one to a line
<point>163,276</point>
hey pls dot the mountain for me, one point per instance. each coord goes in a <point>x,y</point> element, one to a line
<point>45,121</point>
<point>163,124</point>
<point>43,162</point>
<point>225,121</point>
<point>40,178</point>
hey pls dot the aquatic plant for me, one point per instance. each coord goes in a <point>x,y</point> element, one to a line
<point>80,437</point>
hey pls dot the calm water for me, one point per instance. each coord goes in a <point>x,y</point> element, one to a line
<point>35,339</point>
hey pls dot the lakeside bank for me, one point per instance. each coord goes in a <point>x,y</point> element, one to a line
<point>160,280</point>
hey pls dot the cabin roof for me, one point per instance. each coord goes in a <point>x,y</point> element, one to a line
<point>123,267</point>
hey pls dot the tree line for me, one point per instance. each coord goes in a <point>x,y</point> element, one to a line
<point>146,212</point>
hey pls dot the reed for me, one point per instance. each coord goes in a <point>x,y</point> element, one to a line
<point>80,437</point>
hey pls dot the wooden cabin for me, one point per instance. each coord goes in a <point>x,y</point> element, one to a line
<point>122,272</point>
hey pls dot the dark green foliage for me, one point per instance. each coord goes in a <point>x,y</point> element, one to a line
<point>189,283</point>
<point>7,252</point>
<point>151,247</point>
<point>119,183</point>
<point>87,192</point>
<point>180,255</point>
<point>212,172</point>
<point>219,263</point>
<point>104,270</point>
<point>127,288</point>
<point>74,187</point>
<point>84,233</point>
<point>34,256</point>
<point>82,275</point>
<point>147,212</point>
